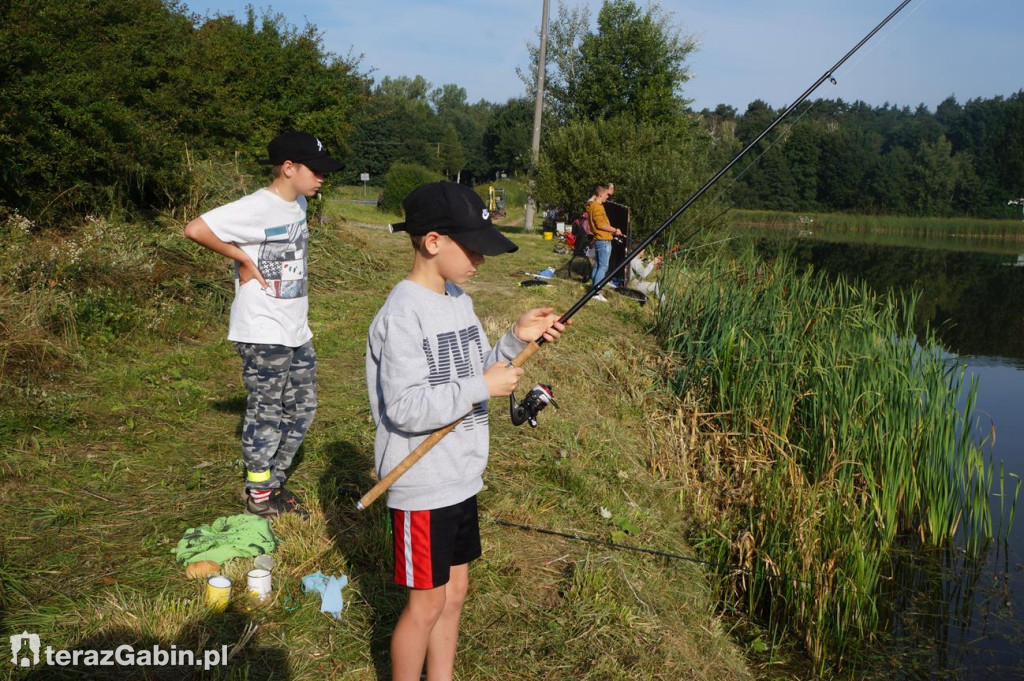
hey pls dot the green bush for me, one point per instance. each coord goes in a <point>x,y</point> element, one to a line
<point>401,179</point>
<point>655,167</point>
<point>109,105</point>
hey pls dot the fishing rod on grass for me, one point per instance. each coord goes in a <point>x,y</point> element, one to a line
<point>540,401</point>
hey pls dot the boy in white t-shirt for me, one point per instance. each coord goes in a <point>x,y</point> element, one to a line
<point>266,235</point>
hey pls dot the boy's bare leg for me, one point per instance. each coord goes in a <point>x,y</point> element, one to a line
<point>444,637</point>
<point>412,633</point>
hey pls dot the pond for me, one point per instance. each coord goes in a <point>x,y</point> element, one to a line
<point>953,617</point>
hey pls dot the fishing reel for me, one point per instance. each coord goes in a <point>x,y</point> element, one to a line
<point>526,411</point>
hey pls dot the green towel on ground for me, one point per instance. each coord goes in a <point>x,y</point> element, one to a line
<point>226,538</point>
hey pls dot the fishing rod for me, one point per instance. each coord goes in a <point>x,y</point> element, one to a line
<point>533,346</point>
<point>828,75</point>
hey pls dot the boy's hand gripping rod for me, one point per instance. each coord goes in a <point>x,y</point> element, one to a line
<point>534,346</point>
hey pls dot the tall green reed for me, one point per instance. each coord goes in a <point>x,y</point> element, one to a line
<point>866,431</point>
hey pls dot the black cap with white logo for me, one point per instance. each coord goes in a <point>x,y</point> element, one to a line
<point>456,210</point>
<point>301,147</point>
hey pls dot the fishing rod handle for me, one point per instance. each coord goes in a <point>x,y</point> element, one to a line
<point>405,464</point>
<point>415,455</point>
<point>526,353</point>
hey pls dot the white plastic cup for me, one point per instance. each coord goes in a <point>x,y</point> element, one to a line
<point>258,581</point>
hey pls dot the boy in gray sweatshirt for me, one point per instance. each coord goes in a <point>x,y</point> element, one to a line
<point>428,363</point>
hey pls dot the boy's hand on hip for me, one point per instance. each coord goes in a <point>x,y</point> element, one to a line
<point>247,271</point>
<point>537,322</point>
<point>502,379</point>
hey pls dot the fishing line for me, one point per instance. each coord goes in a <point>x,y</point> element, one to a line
<point>885,36</point>
<point>778,138</point>
<point>616,546</point>
<point>851,69</point>
<point>704,245</point>
<point>679,242</point>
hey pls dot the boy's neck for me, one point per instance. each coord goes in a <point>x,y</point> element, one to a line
<point>281,187</point>
<point>426,275</point>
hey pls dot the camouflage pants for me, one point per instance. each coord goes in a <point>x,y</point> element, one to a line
<point>281,383</point>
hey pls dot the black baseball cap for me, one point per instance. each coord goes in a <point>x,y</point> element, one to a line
<point>301,147</point>
<point>455,210</point>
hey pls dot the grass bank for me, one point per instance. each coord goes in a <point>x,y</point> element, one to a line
<point>919,227</point>
<point>121,409</point>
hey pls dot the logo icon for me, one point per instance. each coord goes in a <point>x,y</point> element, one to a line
<point>319,145</point>
<point>18,642</point>
<point>486,214</point>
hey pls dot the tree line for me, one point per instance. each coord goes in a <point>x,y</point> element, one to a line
<point>109,103</point>
<point>408,120</point>
<point>962,159</point>
<point>113,105</point>
<point>122,105</point>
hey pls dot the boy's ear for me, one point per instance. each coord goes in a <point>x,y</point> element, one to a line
<point>431,243</point>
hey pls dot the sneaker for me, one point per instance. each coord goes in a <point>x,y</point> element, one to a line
<point>600,297</point>
<point>280,501</point>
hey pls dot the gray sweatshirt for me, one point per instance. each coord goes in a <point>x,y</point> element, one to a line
<point>425,358</point>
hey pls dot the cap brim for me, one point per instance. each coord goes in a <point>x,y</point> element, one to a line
<point>324,164</point>
<point>486,241</point>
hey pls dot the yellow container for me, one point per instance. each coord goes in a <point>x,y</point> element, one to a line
<point>218,592</point>
<point>548,236</point>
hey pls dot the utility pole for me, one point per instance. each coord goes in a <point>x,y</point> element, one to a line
<point>538,108</point>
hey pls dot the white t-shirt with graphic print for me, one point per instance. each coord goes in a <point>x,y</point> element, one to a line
<point>273,232</point>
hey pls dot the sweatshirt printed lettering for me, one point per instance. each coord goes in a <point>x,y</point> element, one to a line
<point>453,353</point>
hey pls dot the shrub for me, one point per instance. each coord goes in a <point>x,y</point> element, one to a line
<point>401,179</point>
<point>108,105</point>
<point>98,281</point>
<point>654,166</point>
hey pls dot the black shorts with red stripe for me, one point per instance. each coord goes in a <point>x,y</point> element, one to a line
<point>429,543</point>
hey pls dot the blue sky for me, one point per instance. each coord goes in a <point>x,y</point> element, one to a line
<point>749,49</point>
